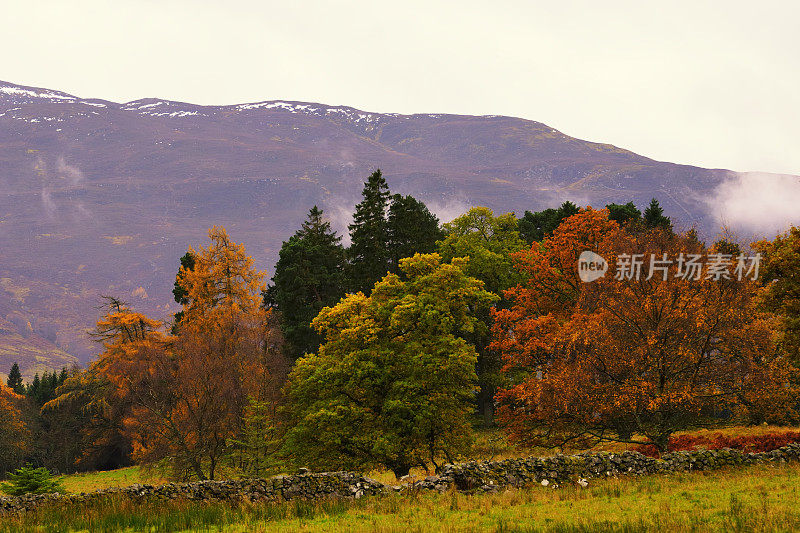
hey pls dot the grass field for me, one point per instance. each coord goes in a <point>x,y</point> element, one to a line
<point>759,498</point>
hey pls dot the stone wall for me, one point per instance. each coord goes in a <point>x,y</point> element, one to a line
<point>487,476</point>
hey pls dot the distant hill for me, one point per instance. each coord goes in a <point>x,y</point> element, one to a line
<point>103,198</point>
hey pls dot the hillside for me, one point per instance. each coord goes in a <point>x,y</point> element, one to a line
<point>103,197</point>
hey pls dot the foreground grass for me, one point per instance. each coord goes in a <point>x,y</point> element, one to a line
<point>759,498</point>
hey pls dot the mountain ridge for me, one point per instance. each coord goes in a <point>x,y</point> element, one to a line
<point>103,197</point>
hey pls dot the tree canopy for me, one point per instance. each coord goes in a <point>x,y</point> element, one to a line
<point>392,384</point>
<point>630,359</point>
<point>309,275</point>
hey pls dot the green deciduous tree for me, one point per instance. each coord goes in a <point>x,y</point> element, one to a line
<point>309,276</point>
<point>488,241</point>
<point>624,214</point>
<point>534,227</point>
<point>393,383</point>
<point>780,274</point>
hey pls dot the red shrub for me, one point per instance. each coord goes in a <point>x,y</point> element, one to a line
<point>750,443</point>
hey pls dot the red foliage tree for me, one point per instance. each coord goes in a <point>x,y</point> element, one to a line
<point>630,360</point>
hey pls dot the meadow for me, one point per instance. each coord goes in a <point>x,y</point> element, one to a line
<point>759,498</point>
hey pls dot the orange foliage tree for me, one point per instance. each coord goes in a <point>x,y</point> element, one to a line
<point>631,360</point>
<point>14,434</point>
<point>187,393</point>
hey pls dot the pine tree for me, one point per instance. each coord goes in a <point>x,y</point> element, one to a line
<point>654,216</point>
<point>14,381</point>
<point>412,229</point>
<point>309,275</point>
<point>368,253</point>
<point>178,290</point>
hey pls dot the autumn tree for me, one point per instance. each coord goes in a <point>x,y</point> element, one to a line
<point>188,392</point>
<point>368,253</point>
<point>488,241</point>
<point>650,349</point>
<point>780,274</point>
<point>14,433</point>
<point>392,384</point>
<point>309,275</point>
<point>179,293</point>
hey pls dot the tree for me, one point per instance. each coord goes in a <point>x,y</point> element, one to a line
<point>653,217</point>
<point>14,381</point>
<point>30,480</point>
<point>630,360</point>
<point>534,227</point>
<point>392,384</point>
<point>411,229</point>
<point>178,291</point>
<point>85,422</point>
<point>189,392</point>
<point>14,433</point>
<point>368,253</point>
<point>488,241</point>
<point>309,275</point>
<point>624,214</point>
<point>779,275</point>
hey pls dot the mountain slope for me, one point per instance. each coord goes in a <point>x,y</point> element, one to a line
<point>103,198</point>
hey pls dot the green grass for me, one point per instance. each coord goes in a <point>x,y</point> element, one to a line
<point>122,477</point>
<point>759,498</point>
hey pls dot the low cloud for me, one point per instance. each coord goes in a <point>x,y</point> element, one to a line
<point>48,203</point>
<point>71,173</point>
<point>757,203</point>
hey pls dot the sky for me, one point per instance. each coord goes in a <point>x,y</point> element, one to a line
<point>713,84</point>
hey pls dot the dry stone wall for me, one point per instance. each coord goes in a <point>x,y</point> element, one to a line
<point>487,476</point>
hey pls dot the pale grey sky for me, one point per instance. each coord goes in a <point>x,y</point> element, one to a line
<point>708,83</point>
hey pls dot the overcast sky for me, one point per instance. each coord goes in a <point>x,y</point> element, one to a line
<point>716,84</point>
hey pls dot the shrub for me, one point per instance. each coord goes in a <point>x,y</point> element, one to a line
<point>748,443</point>
<point>29,480</point>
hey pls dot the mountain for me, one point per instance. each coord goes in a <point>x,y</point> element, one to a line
<point>102,198</point>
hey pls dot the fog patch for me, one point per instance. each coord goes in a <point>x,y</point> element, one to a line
<point>757,203</point>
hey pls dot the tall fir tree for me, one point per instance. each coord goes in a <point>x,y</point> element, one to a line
<point>653,216</point>
<point>368,254</point>
<point>412,229</point>
<point>14,380</point>
<point>309,275</point>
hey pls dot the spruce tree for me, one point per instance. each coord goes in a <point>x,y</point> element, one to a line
<point>368,253</point>
<point>412,228</point>
<point>14,381</point>
<point>309,275</point>
<point>653,216</point>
